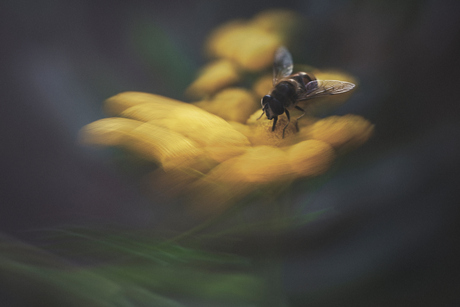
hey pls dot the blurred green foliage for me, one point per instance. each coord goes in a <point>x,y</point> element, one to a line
<point>138,274</point>
<point>161,54</point>
<point>88,267</point>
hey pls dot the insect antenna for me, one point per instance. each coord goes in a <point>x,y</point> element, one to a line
<point>263,112</point>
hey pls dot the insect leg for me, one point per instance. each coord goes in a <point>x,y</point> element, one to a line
<point>275,119</point>
<point>296,120</point>
<point>289,120</point>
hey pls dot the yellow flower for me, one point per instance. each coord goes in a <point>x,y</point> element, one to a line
<point>169,132</point>
<point>217,150</point>
<point>211,160</point>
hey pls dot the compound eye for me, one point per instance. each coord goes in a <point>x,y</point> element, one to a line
<point>276,106</point>
<point>265,100</point>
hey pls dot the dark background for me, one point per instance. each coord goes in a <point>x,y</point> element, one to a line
<point>392,236</point>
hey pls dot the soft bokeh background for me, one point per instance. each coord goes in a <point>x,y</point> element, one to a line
<point>391,238</point>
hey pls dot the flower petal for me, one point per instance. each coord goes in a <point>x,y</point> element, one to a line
<point>342,132</point>
<point>251,47</point>
<point>212,134</point>
<point>310,158</point>
<point>258,164</point>
<point>214,77</point>
<point>263,85</point>
<point>152,142</point>
<point>232,104</point>
<point>108,131</point>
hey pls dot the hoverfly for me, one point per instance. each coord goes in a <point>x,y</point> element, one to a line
<point>290,89</point>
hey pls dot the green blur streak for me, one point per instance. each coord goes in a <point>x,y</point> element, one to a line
<point>129,279</point>
<point>139,246</point>
<point>275,225</point>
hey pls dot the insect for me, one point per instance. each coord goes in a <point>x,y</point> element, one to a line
<point>290,89</point>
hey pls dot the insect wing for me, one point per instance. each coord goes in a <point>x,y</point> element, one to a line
<point>325,87</point>
<point>282,65</point>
